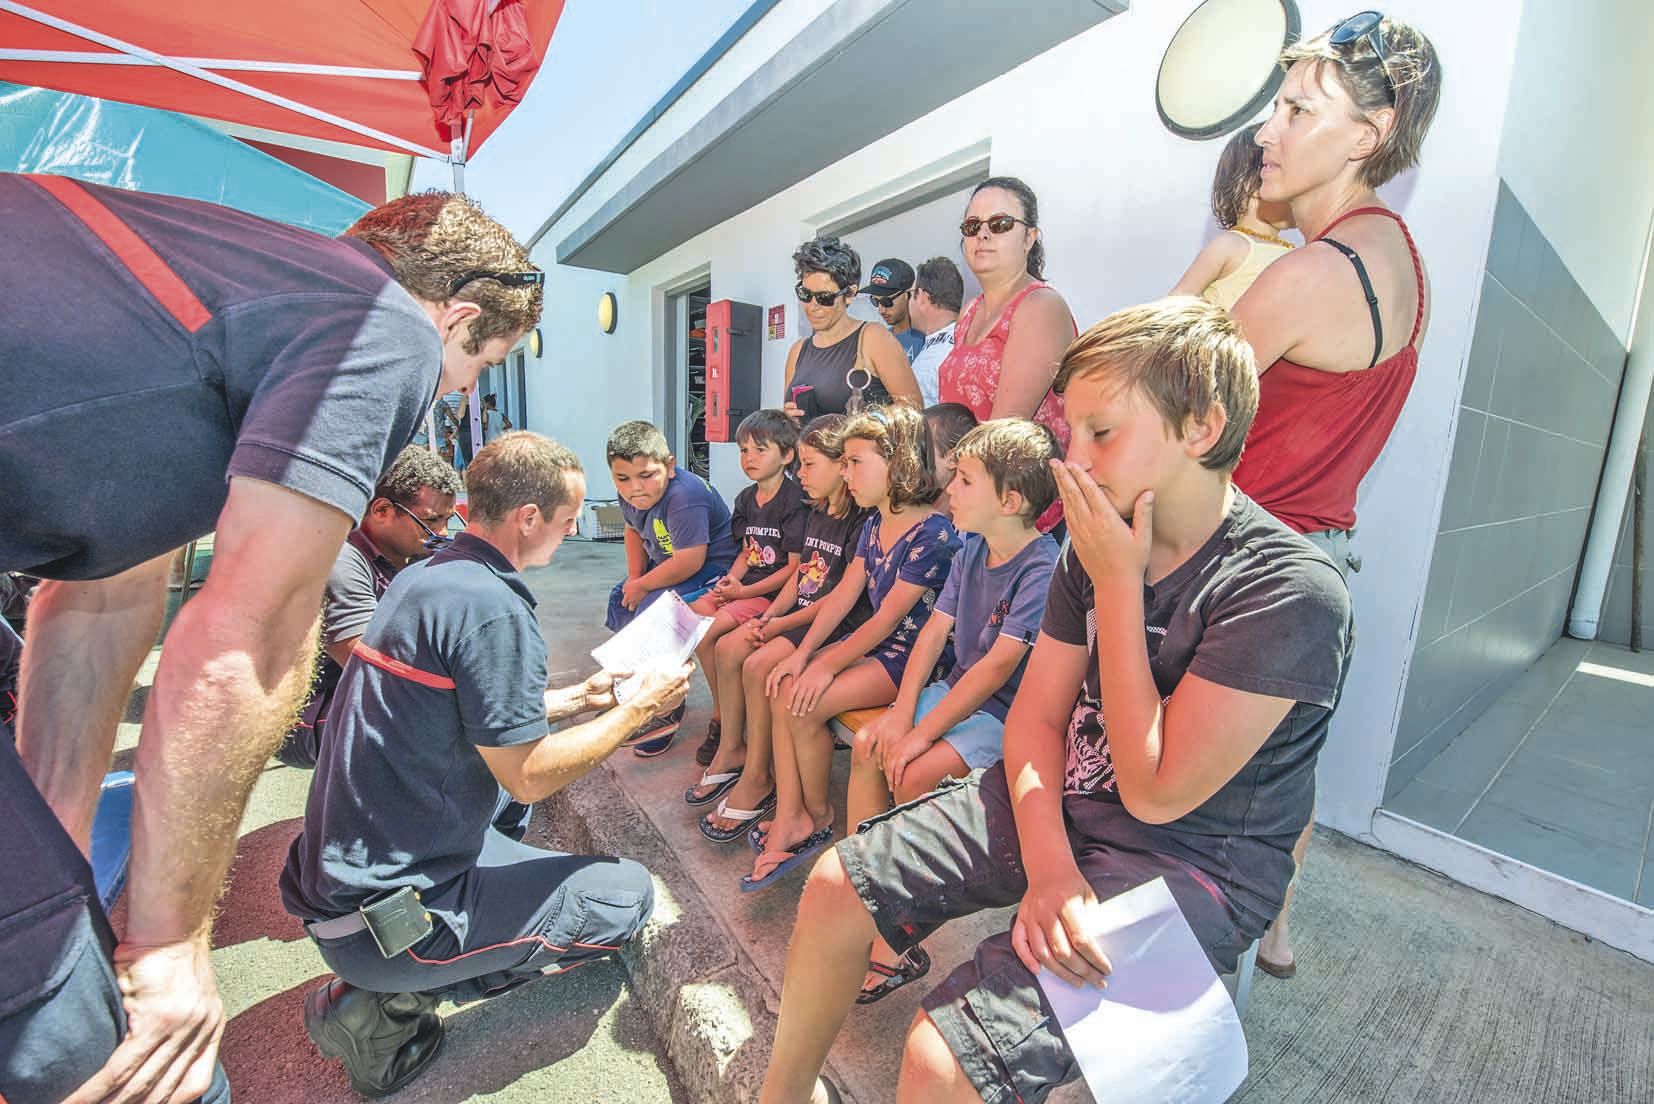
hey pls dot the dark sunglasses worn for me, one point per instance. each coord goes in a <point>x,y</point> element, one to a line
<point>506,279</point>
<point>997,224</point>
<point>822,298</point>
<point>1368,26</point>
<point>885,302</point>
<point>434,541</point>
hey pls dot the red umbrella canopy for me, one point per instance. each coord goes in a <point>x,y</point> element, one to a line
<point>392,74</point>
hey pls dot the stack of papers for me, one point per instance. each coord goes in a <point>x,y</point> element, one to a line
<point>1164,1029</point>
<point>662,637</point>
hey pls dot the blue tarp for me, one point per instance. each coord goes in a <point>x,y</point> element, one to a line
<point>147,150</point>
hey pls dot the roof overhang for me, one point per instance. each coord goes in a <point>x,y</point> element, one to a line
<point>861,70</point>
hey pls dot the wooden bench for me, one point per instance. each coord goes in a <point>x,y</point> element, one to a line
<point>845,726</point>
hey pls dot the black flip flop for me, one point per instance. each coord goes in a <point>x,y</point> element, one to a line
<point>912,966</point>
<point>724,835</point>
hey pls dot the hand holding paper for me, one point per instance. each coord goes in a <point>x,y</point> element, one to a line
<point>1165,1028</point>
<point>663,636</point>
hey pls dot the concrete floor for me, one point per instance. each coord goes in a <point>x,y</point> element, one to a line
<point>1410,987</point>
<point>1558,773</point>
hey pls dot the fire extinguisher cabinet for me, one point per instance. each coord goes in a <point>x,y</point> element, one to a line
<point>734,355</point>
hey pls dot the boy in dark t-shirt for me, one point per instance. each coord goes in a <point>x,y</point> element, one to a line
<point>768,528</point>
<point>1219,641</point>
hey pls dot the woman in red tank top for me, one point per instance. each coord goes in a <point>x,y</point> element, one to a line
<point>1011,338</point>
<point>1336,325</point>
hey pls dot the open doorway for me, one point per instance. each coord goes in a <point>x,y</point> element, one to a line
<point>685,400</point>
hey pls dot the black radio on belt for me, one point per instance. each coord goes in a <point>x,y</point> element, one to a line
<point>397,922</point>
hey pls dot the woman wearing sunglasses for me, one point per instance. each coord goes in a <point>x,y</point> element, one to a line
<point>1011,337</point>
<point>845,362</point>
<point>1336,324</point>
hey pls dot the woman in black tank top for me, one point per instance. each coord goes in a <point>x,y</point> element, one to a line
<point>843,355</point>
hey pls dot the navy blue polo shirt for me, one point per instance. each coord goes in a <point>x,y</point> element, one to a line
<point>121,425</point>
<point>401,796</point>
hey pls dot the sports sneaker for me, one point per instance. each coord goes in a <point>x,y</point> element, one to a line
<point>709,746</point>
<point>655,737</point>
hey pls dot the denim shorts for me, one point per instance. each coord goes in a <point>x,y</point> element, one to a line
<point>978,739</point>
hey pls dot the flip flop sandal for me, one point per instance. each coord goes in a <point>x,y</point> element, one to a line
<point>720,783</point>
<point>745,816</point>
<point>755,839</point>
<point>912,966</point>
<point>797,856</point>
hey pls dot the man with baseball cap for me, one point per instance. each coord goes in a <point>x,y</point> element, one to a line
<point>888,287</point>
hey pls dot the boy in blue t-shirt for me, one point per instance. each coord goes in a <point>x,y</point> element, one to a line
<point>677,535</point>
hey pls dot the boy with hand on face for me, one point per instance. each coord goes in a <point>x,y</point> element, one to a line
<point>678,537</point>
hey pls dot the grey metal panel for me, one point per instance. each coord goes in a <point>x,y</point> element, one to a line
<point>861,70</point>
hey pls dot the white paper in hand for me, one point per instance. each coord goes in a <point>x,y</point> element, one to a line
<point>663,636</point>
<point>1164,1030</point>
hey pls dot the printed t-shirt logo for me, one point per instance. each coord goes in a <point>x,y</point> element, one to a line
<point>663,537</point>
<point>812,574</point>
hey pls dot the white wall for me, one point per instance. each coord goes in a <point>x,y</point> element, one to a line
<point>1577,150</point>
<point>1125,206</point>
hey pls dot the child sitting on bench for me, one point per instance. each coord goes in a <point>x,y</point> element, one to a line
<point>901,563</point>
<point>991,606</point>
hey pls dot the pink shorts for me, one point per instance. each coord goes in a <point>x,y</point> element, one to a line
<point>745,609</point>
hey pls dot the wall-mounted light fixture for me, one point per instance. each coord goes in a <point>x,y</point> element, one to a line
<point>608,312</point>
<point>535,345</point>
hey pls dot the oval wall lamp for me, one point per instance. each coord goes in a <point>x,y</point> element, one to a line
<point>1220,69</point>
<point>608,312</point>
<point>535,344</point>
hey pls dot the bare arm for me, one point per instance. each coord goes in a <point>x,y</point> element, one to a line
<point>901,599</point>
<point>637,559</point>
<point>1041,332</point>
<point>974,687</point>
<point>1217,259</point>
<point>234,672</point>
<point>86,643</point>
<point>921,661</point>
<point>680,565</point>
<point>776,581</point>
<point>889,362</point>
<point>340,650</point>
<point>1036,751</point>
<point>834,608</point>
<point>791,408</point>
<point>534,771</point>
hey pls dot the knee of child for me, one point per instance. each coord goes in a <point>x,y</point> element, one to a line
<point>828,888</point>
<point>928,1063</point>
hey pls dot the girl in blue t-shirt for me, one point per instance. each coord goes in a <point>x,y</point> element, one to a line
<point>901,562</point>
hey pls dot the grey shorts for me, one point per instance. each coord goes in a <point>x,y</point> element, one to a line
<point>955,852</point>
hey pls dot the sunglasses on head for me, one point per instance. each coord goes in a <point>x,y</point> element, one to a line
<point>822,298</point>
<point>997,224</point>
<point>885,302</point>
<point>1366,26</point>
<point>506,279</point>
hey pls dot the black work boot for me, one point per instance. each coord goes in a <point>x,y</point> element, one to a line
<point>384,1039</point>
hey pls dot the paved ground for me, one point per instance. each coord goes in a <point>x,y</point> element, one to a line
<point>1411,988</point>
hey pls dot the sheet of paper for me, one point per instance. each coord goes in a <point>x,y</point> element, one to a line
<point>662,636</point>
<point>1164,1029</point>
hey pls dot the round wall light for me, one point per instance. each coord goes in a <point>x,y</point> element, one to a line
<point>535,345</point>
<point>1221,67</point>
<point>608,312</point>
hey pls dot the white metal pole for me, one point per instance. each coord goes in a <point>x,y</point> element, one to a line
<point>1584,621</point>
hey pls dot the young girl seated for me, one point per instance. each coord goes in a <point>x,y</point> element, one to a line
<point>948,423</point>
<point>991,606</point>
<point>1223,270</point>
<point>768,526</point>
<point>740,771</point>
<point>901,562</point>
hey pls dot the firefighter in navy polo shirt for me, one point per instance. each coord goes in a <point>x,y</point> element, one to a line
<point>401,876</point>
<point>172,368</point>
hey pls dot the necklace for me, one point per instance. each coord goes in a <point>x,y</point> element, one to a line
<point>1267,239</point>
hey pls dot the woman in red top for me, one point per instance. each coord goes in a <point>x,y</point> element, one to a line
<point>1011,338</point>
<point>1336,325</point>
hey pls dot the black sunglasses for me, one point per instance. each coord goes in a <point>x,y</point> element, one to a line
<point>822,298</point>
<point>434,541</point>
<point>887,301</point>
<point>506,279</point>
<point>998,224</point>
<point>1366,25</point>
